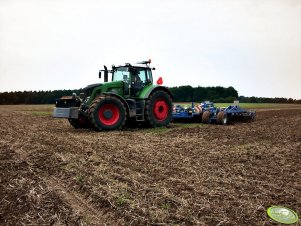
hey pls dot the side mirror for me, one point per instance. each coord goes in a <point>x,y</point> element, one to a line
<point>99,74</point>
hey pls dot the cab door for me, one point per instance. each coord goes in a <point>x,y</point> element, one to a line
<point>138,80</point>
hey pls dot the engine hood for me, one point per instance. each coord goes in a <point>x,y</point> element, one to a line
<point>92,86</point>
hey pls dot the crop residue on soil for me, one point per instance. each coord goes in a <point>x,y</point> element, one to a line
<point>52,174</point>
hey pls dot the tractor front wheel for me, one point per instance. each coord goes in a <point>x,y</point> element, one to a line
<point>222,118</point>
<point>158,109</point>
<point>107,113</point>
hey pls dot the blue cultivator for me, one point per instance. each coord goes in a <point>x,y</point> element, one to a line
<point>180,112</point>
<point>208,113</point>
<point>232,113</point>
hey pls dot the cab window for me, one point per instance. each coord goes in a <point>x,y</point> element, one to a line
<point>142,75</point>
<point>121,74</point>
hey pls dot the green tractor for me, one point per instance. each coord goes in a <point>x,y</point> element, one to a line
<point>129,97</point>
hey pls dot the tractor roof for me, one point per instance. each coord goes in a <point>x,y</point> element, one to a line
<point>129,65</point>
<point>141,64</point>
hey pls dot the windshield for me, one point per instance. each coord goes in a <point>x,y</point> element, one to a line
<point>121,74</point>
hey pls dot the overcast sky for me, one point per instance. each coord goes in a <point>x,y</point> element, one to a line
<point>252,45</point>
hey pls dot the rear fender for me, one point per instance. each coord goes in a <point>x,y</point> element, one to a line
<point>147,92</point>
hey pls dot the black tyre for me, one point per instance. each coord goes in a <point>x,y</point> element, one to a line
<point>79,123</point>
<point>107,113</point>
<point>206,117</point>
<point>222,118</point>
<point>252,117</point>
<point>158,109</point>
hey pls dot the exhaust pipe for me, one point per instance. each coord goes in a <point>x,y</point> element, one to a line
<point>106,76</point>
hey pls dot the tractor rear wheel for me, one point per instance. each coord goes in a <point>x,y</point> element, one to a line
<point>158,109</point>
<point>206,117</point>
<point>107,113</point>
<point>222,118</point>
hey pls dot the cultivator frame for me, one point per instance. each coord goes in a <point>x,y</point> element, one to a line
<point>232,113</point>
<point>208,113</point>
<point>180,112</point>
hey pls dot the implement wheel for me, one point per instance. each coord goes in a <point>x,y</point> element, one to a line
<point>222,118</point>
<point>158,109</point>
<point>206,117</point>
<point>252,117</point>
<point>107,113</point>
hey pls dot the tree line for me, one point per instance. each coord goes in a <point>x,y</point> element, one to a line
<point>216,94</point>
<point>33,97</point>
<point>220,94</point>
<point>280,100</point>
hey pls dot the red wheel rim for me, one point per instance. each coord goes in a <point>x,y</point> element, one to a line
<point>160,110</point>
<point>108,114</point>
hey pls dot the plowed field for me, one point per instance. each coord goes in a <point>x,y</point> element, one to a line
<point>189,174</point>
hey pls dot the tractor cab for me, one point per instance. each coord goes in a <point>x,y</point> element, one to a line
<point>135,78</point>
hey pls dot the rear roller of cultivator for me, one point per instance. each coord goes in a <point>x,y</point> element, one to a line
<point>234,113</point>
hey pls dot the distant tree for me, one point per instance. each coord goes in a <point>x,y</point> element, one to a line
<point>253,99</point>
<point>33,97</point>
<point>188,93</point>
